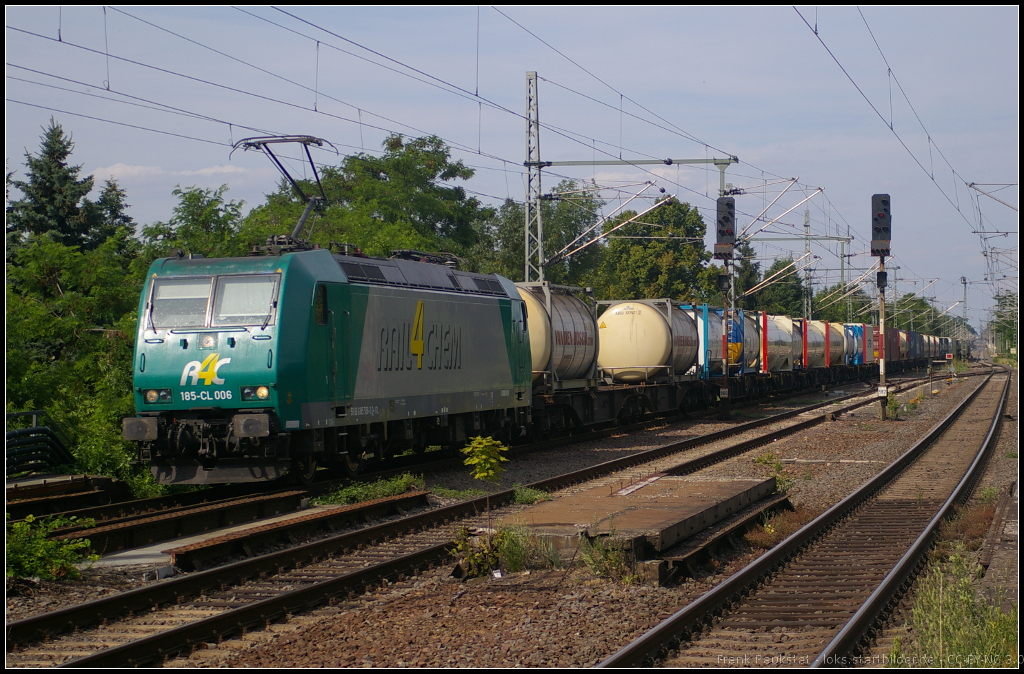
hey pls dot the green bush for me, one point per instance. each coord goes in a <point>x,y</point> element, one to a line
<point>604,558</point>
<point>31,554</point>
<point>518,549</point>
<point>357,492</point>
<point>511,549</point>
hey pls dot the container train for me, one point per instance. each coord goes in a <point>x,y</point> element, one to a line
<point>250,368</point>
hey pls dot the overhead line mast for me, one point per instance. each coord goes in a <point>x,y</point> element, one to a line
<point>535,261</point>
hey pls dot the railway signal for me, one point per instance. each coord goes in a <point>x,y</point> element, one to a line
<point>881,225</point>
<point>725,228</point>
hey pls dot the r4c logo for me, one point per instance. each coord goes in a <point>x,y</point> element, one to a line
<point>206,370</point>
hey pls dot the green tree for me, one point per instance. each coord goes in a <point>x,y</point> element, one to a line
<point>661,254</point>
<point>55,199</point>
<point>567,213</point>
<point>1005,324</point>
<point>784,295</point>
<point>72,290</point>
<point>402,199</point>
<point>831,304</point>
<point>203,222</point>
<point>747,274</point>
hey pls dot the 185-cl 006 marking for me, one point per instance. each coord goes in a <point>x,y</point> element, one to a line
<point>189,396</point>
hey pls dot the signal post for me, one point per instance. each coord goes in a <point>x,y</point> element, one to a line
<point>881,237</point>
<point>724,246</point>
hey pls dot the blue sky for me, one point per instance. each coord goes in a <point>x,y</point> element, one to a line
<point>754,82</point>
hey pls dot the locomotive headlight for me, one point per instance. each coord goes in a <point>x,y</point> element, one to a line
<point>208,341</point>
<point>255,392</point>
<point>159,395</point>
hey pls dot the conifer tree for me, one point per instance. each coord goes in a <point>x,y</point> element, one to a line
<point>55,199</point>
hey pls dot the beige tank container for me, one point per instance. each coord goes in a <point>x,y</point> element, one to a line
<point>637,342</point>
<point>567,338</point>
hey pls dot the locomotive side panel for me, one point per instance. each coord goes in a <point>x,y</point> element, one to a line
<point>426,354</point>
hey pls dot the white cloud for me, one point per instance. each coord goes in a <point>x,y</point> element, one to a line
<point>214,170</point>
<point>128,172</point>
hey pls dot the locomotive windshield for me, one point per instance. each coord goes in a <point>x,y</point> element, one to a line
<point>180,302</point>
<point>239,300</point>
<point>245,300</point>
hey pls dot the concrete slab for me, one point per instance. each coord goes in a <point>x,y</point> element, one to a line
<point>651,515</point>
<point>157,554</point>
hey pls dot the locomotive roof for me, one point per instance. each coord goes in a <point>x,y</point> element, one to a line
<point>399,272</point>
<point>377,271</point>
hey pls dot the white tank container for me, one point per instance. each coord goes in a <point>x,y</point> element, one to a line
<point>780,344</point>
<point>637,342</point>
<point>836,346</point>
<point>567,338</point>
<point>816,344</point>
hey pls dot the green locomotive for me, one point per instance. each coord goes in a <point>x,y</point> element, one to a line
<point>248,368</point>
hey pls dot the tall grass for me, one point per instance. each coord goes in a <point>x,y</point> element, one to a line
<point>953,626</point>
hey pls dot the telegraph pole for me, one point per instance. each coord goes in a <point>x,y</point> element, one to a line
<point>881,236</point>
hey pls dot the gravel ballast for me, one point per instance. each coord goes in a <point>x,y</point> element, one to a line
<point>555,618</point>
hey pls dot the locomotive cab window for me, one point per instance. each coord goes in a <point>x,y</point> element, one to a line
<point>180,303</point>
<point>246,300</point>
<point>320,305</point>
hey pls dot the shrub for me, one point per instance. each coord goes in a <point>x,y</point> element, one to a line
<point>465,494</point>
<point>604,558</point>
<point>775,528</point>
<point>357,492</point>
<point>31,554</point>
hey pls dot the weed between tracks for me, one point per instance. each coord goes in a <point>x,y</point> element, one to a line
<point>783,481</point>
<point>953,627</point>
<point>775,528</point>
<point>967,527</point>
<point>357,492</point>
<point>953,624</point>
<point>604,558</point>
<point>510,549</point>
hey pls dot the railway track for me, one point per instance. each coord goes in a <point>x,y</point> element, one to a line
<point>177,614</point>
<point>813,598</point>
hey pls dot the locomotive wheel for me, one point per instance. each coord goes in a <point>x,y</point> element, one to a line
<point>304,470</point>
<point>353,464</point>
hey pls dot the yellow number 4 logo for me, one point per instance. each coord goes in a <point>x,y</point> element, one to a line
<point>416,337</point>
